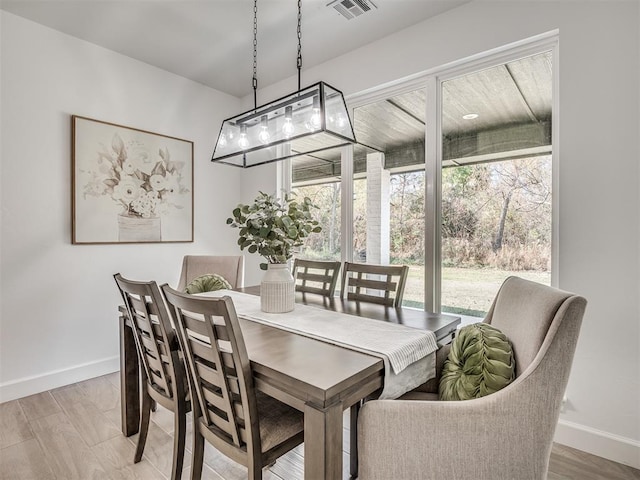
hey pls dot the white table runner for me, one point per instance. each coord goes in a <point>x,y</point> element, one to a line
<point>408,353</point>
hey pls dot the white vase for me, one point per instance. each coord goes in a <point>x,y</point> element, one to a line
<point>277,289</point>
<point>138,229</point>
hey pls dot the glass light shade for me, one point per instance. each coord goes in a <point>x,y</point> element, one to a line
<point>309,120</point>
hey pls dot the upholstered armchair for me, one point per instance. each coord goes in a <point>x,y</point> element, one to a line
<point>505,435</point>
<point>229,267</point>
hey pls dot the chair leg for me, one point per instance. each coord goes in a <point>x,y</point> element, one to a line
<point>197,452</point>
<point>179,431</point>
<point>255,470</point>
<point>145,416</point>
<point>353,440</point>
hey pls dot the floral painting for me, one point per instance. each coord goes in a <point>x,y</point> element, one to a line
<point>130,185</point>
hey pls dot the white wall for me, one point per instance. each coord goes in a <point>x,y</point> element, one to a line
<point>599,179</point>
<point>59,320</point>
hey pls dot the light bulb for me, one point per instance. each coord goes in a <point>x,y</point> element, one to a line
<point>340,121</point>
<point>315,121</point>
<point>243,141</point>
<point>222,141</point>
<point>264,135</point>
<point>287,128</point>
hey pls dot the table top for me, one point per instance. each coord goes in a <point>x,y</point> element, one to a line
<point>313,368</point>
<point>442,325</point>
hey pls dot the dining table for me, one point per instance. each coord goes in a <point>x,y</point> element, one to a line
<point>319,378</point>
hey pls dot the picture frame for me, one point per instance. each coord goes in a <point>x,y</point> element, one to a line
<point>129,185</point>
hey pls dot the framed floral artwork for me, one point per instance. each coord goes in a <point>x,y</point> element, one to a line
<point>129,185</point>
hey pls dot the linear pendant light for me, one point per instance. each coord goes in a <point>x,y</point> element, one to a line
<point>309,120</point>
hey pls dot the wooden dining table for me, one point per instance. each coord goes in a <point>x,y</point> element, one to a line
<point>318,378</point>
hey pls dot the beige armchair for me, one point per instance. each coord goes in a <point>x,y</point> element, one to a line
<point>506,435</point>
<point>231,268</point>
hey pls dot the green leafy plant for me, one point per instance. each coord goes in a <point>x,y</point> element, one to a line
<point>273,227</point>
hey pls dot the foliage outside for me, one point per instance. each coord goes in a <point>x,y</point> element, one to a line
<point>494,215</point>
<point>273,227</point>
<point>496,222</point>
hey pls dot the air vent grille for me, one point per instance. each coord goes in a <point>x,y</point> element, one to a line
<point>352,8</point>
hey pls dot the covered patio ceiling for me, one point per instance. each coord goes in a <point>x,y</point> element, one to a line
<point>510,110</point>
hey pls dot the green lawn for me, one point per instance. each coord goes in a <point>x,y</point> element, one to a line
<point>465,290</point>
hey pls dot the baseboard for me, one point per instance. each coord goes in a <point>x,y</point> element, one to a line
<point>26,386</point>
<point>598,442</point>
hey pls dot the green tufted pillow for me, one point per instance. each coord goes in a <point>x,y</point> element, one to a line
<point>207,283</point>
<point>480,362</point>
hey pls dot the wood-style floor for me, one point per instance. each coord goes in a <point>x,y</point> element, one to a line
<point>73,432</point>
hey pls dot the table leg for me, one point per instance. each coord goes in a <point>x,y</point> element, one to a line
<point>323,442</point>
<point>353,445</point>
<point>129,380</point>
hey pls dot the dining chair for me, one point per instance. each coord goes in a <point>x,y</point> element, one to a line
<point>315,276</point>
<point>229,267</point>
<point>506,434</point>
<point>383,284</point>
<point>243,423</point>
<point>163,376</point>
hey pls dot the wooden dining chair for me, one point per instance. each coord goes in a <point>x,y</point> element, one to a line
<point>315,276</point>
<point>243,423</point>
<point>383,284</point>
<point>163,376</point>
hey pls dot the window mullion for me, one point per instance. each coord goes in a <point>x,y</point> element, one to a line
<point>432,218</point>
<point>346,191</point>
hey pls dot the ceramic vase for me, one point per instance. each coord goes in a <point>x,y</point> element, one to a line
<point>138,229</point>
<point>277,289</point>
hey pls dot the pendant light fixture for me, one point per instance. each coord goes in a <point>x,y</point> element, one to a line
<point>307,121</point>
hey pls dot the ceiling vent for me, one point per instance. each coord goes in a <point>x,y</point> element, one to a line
<point>352,8</point>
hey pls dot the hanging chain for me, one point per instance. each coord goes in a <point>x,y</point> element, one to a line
<point>255,54</point>
<point>299,59</point>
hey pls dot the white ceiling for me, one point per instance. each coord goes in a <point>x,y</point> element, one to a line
<point>211,41</point>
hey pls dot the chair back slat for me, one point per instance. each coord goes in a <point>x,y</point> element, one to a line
<point>196,325</point>
<point>208,373</point>
<point>152,330</point>
<point>382,284</point>
<point>317,277</point>
<point>305,276</point>
<point>362,297</point>
<point>202,350</point>
<point>221,425</point>
<point>155,366</point>
<point>218,365</point>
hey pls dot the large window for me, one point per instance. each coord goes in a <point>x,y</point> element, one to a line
<point>389,187</point>
<point>496,181</point>
<point>463,211</point>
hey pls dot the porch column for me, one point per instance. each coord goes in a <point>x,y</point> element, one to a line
<point>378,210</point>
